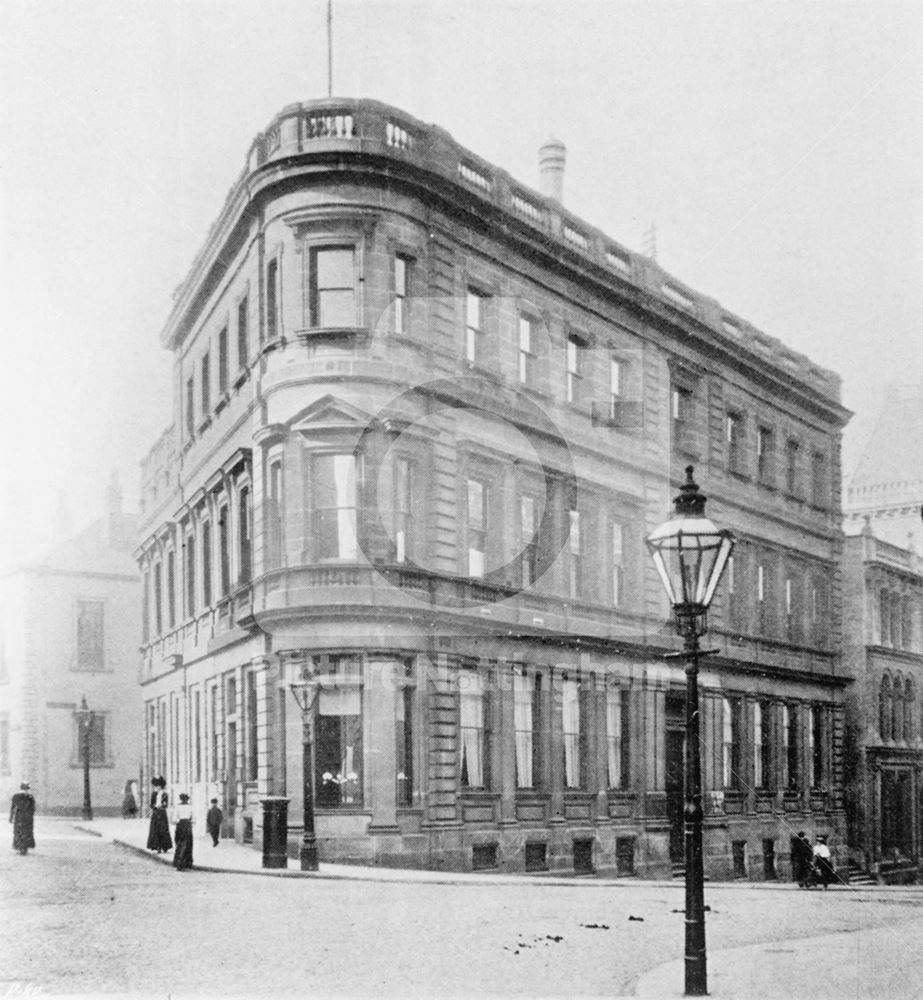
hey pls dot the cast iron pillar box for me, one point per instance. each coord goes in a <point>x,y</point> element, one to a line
<point>275,832</point>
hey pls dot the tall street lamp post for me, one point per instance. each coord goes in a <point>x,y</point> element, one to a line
<point>690,554</point>
<point>85,719</point>
<point>302,682</point>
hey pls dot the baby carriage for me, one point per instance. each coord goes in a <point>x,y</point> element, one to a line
<point>820,872</point>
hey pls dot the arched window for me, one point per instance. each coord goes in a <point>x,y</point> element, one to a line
<point>884,708</point>
<point>908,709</point>
<point>897,711</point>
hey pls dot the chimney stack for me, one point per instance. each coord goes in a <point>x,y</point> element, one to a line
<point>551,158</point>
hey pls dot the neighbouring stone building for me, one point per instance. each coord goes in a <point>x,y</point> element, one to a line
<point>423,419</point>
<point>883,645</point>
<point>69,629</point>
<point>883,615</point>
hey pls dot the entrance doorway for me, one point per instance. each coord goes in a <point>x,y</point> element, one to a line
<point>675,758</point>
<point>231,787</point>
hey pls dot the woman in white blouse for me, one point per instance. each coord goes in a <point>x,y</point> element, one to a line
<point>182,838</point>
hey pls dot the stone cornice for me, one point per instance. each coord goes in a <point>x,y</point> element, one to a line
<point>357,138</point>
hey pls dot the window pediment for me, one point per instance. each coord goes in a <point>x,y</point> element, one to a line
<point>330,414</point>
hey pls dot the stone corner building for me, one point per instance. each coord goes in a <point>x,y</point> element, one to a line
<point>424,417</point>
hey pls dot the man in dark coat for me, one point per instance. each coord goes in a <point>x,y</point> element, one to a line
<point>213,820</point>
<point>801,859</point>
<point>22,812</point>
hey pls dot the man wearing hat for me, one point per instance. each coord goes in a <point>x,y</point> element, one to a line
<point>22,812</point>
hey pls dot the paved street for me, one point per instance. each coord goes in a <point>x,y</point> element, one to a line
<point>82,915</point>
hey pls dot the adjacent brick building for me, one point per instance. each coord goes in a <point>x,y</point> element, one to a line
<point>424,417</point>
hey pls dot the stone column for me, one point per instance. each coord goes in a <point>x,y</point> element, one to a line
<point>556,764</point>
<point>591,721</point>
<point>777,762</point>
<point>651,739</point>
<point>806,764</point>
<point>505,757</point>
<point>601,747</point>
<point>748,752</point>
<point>380,694</point>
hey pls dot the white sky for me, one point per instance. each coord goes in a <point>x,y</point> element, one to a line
<point>777,147</point>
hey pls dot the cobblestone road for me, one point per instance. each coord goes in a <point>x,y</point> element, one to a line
<point>80,916</point>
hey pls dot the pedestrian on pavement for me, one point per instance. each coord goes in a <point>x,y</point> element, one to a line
<point>22,813</point>
<point>822,861</point>
<point>129,806</point>
<point>158,834</point>
<point>213,821</point>
<point>182,814</point>
<point>801,859</point>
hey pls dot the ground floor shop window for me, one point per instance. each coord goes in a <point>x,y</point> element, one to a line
<point>617,737</point>
<point>475,735</point>
<point>524,723</point>
<point>574,745</point>
<point>338,748</point>
<point>404,746</point>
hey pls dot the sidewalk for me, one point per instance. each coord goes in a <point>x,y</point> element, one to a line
<point>230,856</point>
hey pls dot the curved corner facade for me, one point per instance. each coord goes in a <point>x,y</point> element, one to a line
<point>424,418</point>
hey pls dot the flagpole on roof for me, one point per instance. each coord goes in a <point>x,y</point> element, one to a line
<point>330,48</point>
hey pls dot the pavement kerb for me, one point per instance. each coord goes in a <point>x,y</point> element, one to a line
<point>422,877</point>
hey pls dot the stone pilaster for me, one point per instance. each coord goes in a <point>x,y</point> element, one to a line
<point>556,764</point>
<point>505,758</point>
<point>383,675</point>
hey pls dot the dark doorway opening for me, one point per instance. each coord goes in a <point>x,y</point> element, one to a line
<point>583,857</point>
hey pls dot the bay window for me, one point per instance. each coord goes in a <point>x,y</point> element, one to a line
<point>527,539</point>
<point>477,499</point>
<point>334,495</point>
<point>403,510</point>
<point>332,287</point>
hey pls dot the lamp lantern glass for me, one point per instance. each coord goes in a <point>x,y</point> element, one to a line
<point>690,555</point>
<point>84,716</point>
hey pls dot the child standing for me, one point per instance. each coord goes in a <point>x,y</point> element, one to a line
<point>213,820</point>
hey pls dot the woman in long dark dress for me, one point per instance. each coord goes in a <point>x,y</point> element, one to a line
<point>22,812</point>
<point>182,856</point>
<point>158,834</point>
